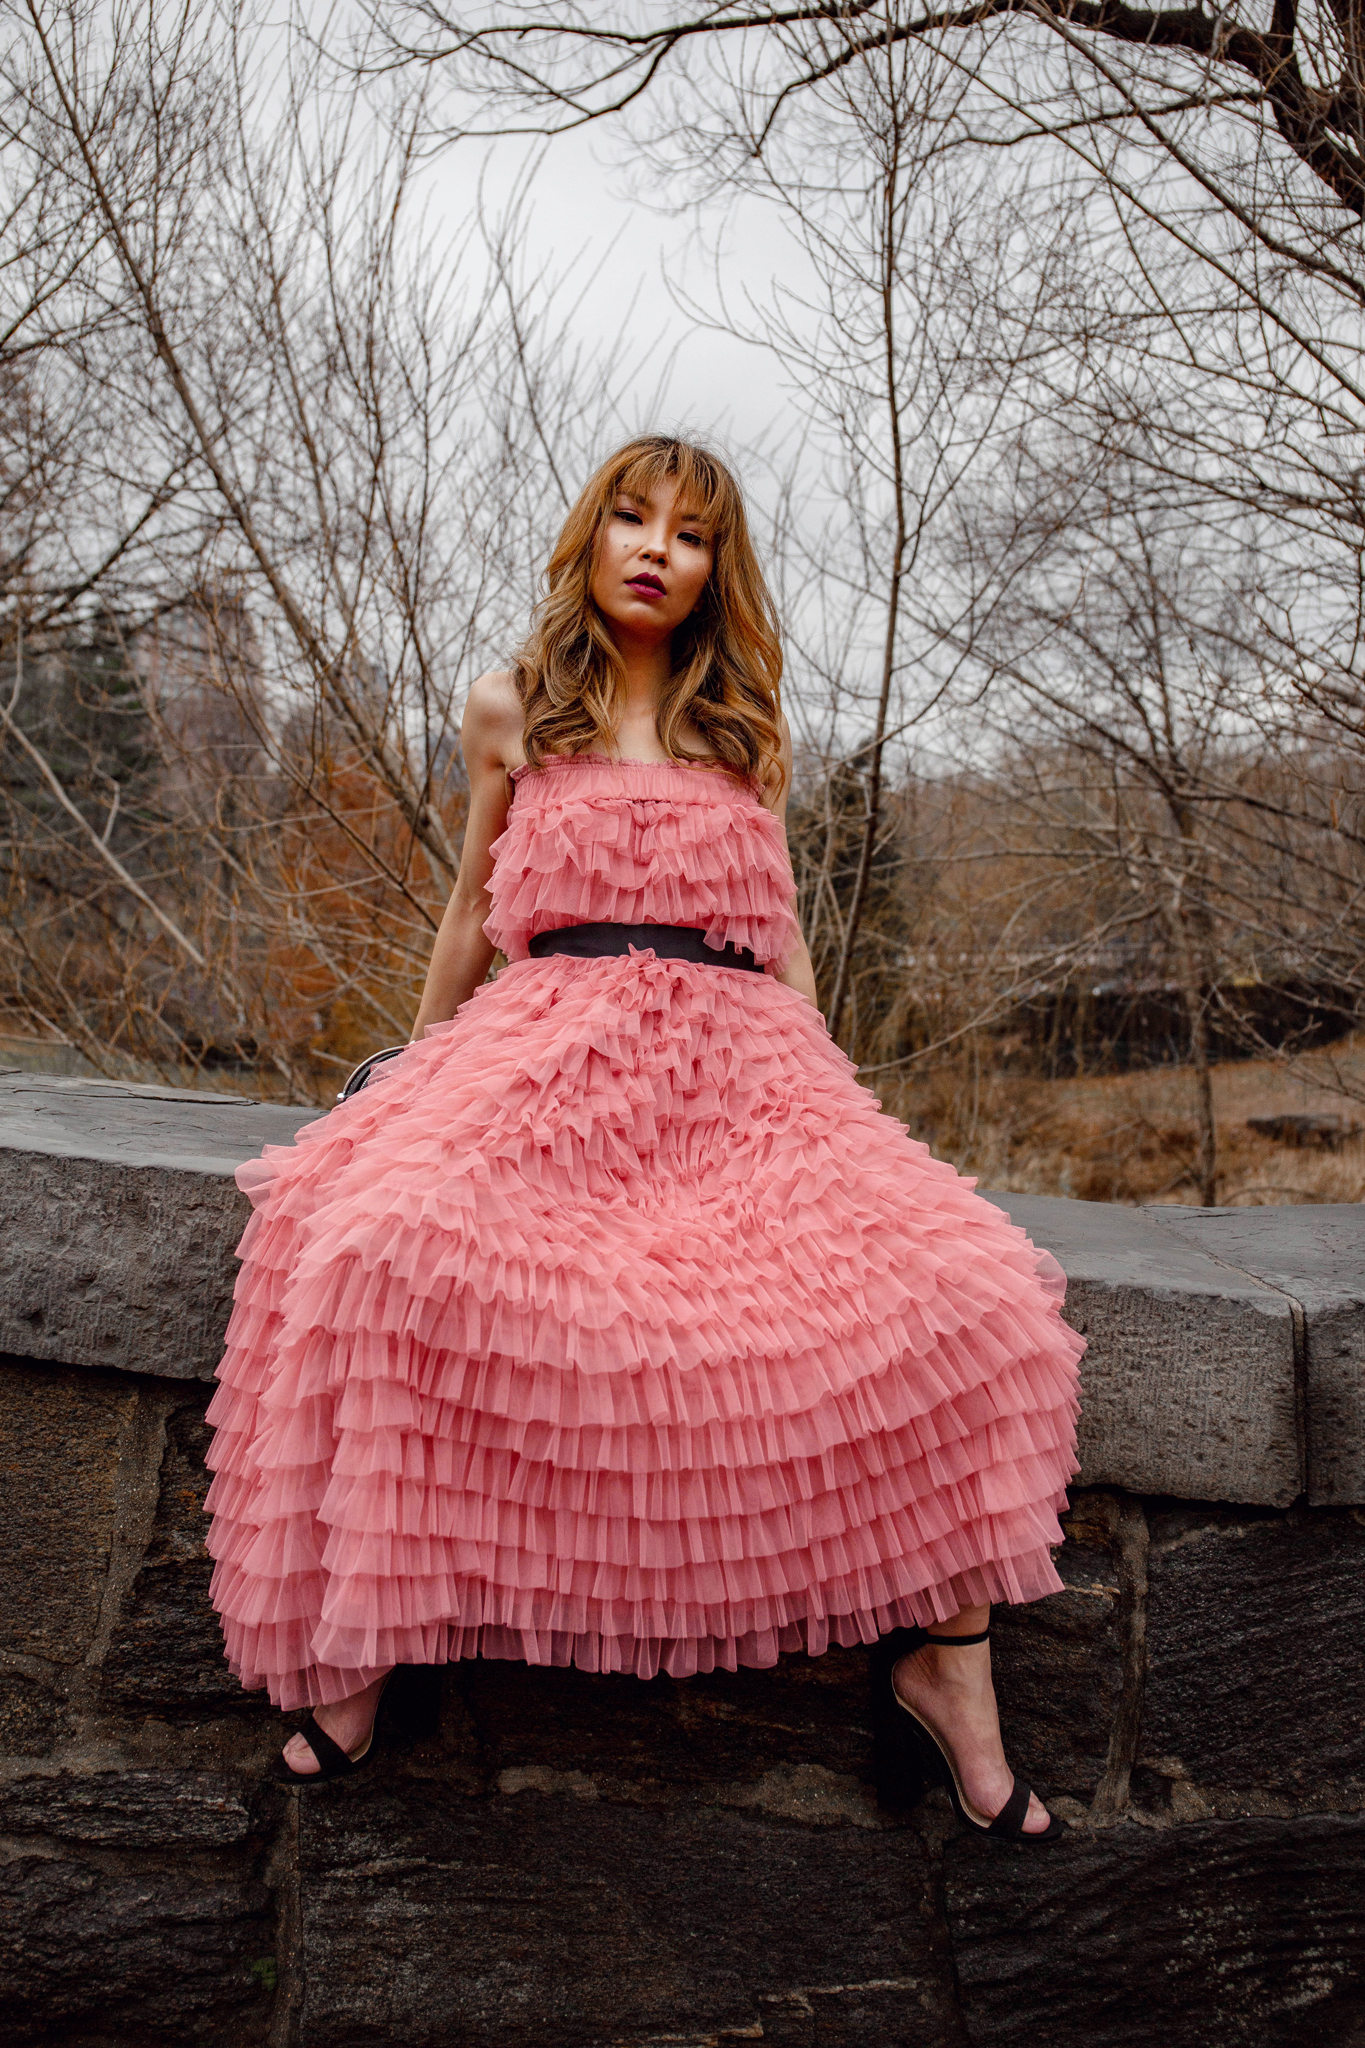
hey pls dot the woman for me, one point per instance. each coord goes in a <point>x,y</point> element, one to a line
<point>613,1324</point>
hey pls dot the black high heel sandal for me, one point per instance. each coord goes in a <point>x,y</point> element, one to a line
<point>410,1700</point>
<point>333,1760</point>
<point>909,1756</point>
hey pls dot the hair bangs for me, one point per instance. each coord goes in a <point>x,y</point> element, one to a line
<point>706,490</point>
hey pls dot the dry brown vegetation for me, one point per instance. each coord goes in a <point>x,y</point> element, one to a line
<point>1023,997</point>
<point>276,453</point>
<point>1134,1137</point>
<point>192,887</point>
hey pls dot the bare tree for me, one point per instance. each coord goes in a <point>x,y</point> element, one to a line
<point>1279,80</point>
<point>1045,539</point>
<point>364,434</point>
<point>909,386</point>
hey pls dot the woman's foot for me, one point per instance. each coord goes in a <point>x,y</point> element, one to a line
<point>348,1722</point>
<point>951,1690</point>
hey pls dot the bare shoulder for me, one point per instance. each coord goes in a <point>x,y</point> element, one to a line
<point>492,725</point>
<point>494,699</point>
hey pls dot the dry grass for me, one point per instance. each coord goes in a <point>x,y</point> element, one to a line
<point>1131,1137</point>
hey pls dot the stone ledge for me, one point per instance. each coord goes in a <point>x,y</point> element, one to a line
<point>1227,1348</point>
<point>1189,1386</point>
<point>1315,1257</point>
<point>118,1219</point>
<point>124,1124</point>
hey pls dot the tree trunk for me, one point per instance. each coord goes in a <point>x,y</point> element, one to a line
<point>1195,968</point>
<point>874,751</point>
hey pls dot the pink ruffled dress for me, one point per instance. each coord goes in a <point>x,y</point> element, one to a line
<point>614,1324</point>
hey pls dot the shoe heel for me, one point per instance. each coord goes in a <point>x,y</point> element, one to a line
<point>411,1705</point>
<point>899,1763</point>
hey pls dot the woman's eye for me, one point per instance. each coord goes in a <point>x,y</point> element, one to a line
<point>694,540</point>
<point>624,512</point>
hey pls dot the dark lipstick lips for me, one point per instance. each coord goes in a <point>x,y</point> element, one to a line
<point>649,582</point>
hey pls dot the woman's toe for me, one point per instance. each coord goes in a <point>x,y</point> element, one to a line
<point>1037,1820</point>
<point>300,1757</point>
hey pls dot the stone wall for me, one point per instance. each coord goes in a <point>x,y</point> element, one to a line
<point>579,1862</point>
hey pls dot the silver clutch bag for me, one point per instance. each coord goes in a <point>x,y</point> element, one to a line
<point>358,1076</point>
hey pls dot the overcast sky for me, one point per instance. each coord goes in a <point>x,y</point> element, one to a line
<point>665,369</point>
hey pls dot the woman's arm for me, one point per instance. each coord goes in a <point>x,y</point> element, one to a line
<point>491,738</point>
<point>798,972</point>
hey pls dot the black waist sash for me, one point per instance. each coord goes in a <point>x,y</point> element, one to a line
<point>668,941</point>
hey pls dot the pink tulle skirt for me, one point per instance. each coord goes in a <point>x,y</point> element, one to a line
<point>615,1325</point>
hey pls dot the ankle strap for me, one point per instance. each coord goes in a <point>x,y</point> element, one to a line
<point>952,1642</point>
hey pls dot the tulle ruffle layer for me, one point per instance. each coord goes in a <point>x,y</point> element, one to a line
<point>614,1325</point>
<point>640,842</point>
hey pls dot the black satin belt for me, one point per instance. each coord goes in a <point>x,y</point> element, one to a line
<point>668,941</point>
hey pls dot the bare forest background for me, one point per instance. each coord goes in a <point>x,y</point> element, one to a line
<point>1064,508</point>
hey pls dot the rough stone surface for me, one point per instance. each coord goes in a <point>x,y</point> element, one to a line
<point>1190,1381</point>
<point>1244,1934</point>
<point>1188,1386</point>
<point>32,1715</point>
<point>166,1650</point>
<point>727,1727</point>
<point>1316,1255</point>
<point>137,1809</point>
<point>431,1918</point>
<point>118,1219</point>
<point>91,1956</point>
<point>61,1438</point>
<point>1256,1653</point>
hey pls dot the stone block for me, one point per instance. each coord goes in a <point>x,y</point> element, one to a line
<point>731,1727</point>
<point>1188,1387</point>
<point>32,1715</point>
<point>1256,1652</point>
<point>430,1918</point>
<point>847,2016</point>
<point>62,1436</point>
<point>1059,1663</point>
<point>100,1957</point>
<point>1247,1934</point>
<point>894,2015</point>
<point>140,1809</point>
<point>118,1220</point>
<point>165,1654</point>
<point>1316,1255</point>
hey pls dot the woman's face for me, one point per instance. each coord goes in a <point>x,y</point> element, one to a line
<point>652,565</point>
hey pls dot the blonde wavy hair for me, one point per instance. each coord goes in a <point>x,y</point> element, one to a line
<point>726,658</point>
